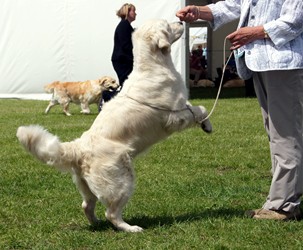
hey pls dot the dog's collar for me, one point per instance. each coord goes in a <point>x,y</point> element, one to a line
<point>187,107</point>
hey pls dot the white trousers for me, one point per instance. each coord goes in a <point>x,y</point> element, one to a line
<point>280,94</point>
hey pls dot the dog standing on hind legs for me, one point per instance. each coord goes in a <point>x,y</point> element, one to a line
<point>152,105</point>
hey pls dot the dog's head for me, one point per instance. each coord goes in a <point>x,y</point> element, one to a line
<point>158,34</point>
<point>108,83</point>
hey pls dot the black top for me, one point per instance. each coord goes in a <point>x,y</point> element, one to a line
<point>123,46</point>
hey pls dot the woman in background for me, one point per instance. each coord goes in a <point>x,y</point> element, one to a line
<point>122,56</point>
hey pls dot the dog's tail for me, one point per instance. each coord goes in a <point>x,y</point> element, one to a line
<point>47,147</point>
<point>49,88</point>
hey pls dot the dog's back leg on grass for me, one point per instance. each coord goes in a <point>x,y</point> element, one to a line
<point>123,185</point>
<point>89,199</point>
<point>50,105</point>
<point>114,215</point>
<point>85,108</point>
<point>65,105</point>
<point>112,182</point>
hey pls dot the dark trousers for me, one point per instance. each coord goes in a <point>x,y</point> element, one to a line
<point>122,71</point>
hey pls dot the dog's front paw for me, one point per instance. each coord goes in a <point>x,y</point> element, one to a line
<point>206,126</point>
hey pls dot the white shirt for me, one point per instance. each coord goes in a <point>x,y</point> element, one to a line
<point>282,20</point>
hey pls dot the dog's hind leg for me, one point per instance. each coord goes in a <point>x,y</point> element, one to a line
<point>85,108</point>
<point>50,105</point>
<point>113,184</point>
<point>111,180</point>
<point>65,104</point>
<point>122,187</point>
<point>89,199</point>
<point>88,206</point>
<point>114,215</point>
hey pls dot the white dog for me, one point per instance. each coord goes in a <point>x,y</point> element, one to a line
<point>151,106</point>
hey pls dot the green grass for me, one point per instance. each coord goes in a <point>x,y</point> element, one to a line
<point>191,190</point>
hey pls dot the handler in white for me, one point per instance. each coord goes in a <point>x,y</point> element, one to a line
<point>269,42</point>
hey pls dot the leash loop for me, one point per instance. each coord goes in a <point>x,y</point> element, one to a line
<point>221,81</point>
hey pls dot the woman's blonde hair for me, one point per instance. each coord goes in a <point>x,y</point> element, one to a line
<point>124,10</point>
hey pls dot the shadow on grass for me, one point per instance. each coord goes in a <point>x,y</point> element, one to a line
<point>147,222</point>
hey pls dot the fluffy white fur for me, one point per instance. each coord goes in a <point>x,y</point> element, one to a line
<point>151,106</point>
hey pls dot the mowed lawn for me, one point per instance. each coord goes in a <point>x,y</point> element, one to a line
<point>191,190</point>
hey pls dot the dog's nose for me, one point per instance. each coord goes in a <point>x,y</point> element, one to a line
<point>181,23</point>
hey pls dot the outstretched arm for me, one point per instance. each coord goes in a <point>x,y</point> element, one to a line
<point>192,13</point>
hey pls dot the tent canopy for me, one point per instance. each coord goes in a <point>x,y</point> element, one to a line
<point>65,40</point>
<point>197,36</point>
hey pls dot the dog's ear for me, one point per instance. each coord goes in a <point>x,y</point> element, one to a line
<point>162,40</point>
<point>156,34</point>
<point>102,80</point>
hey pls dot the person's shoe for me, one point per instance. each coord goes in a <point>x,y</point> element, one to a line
<point>274,215</point>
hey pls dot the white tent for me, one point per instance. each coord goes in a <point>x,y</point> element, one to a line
<point>68,40</point>
<point>197,36</point>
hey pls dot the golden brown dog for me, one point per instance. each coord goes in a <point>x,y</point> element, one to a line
<point>84,93</point>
